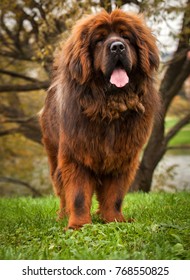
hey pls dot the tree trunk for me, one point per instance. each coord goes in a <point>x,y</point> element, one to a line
<point>176,74</point>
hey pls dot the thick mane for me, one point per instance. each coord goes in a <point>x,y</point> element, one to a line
<point>77,58</point>
<point>74,68</point>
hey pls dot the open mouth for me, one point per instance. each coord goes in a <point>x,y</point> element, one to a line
<point>119,76</point>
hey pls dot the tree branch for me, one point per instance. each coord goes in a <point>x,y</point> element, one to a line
<point>18,120</point>
<point>27,87</point>
<point>16,55</point>
<point>5,28</point>
<point>39,6</point>
<point>179,67</point>
<point>175,129</point>
<point>8,131</point>
<point>19,182</point>
<point>17,75</point>
<point>181,147</point>
<point>177,84</point>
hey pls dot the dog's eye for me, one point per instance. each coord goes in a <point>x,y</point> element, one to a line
<point>99,40</point>
<point>126,37</point>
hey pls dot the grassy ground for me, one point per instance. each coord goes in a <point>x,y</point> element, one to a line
<point>161,230</point>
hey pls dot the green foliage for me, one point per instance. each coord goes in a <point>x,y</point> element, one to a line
<point>160,231</point>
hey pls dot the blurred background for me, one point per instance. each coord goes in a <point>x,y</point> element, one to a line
<point>30,33</point>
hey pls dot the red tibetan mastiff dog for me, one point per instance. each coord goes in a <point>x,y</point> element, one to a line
<point>99,112</point>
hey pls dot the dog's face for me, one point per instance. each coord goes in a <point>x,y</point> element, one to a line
<point>114,54</point>
<point>115,45</point>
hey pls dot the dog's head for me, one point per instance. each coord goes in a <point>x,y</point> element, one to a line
<point>116,45</point>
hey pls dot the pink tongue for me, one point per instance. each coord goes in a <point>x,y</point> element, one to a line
<point>119,78</point>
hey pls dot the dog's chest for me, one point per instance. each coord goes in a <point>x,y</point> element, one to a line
<point>105,150</point>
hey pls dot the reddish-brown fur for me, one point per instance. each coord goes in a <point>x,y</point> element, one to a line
<point>93,132</point>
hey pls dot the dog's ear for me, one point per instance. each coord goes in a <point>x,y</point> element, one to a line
<point>148,51</point>
<point>76,54</point>
<point>148,54</point>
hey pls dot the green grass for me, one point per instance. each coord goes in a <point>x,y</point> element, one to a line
<point>161,230</point>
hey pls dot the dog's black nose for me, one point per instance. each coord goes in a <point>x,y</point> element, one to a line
<point>117,47</point>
